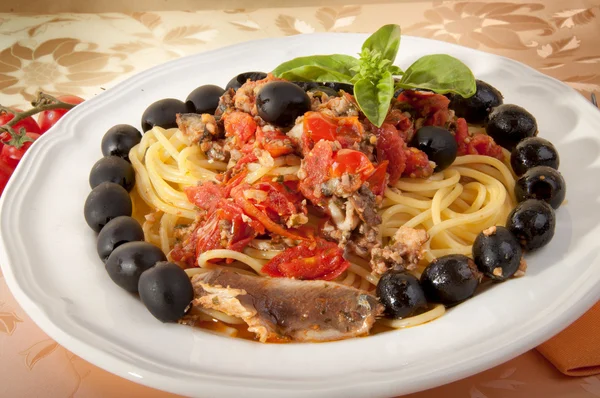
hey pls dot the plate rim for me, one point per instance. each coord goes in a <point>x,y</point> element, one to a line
<point>119,366</point>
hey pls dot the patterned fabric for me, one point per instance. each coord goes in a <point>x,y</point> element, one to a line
<point>83,54</point>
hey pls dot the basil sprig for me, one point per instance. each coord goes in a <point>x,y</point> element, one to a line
<point>373,73</point>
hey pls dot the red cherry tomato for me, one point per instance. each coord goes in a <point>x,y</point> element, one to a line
<point>5,173</point>
<point>48,119</point>
<point>28,124</point>
<point>309,260</point>
<point>11,156</point>
<point>351,162</point>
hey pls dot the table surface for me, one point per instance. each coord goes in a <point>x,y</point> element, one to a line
<point>84,54</point>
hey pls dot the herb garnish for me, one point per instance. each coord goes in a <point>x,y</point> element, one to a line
<point>373,73</point>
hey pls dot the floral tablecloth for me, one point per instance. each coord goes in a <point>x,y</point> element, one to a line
<point>84,54</point>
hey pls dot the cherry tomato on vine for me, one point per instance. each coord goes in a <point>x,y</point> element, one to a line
<point>11,155</point>
<point>47,119</point>
<point>28,123</point>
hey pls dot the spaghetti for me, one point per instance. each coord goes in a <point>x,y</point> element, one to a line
<point>453,206</point>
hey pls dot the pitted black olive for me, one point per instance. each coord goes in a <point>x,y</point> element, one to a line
<point>532,152</point>
<point>477,107</point>
<point>106,202</point>
<point>162,113</point>
<point>450,279</point>
<point>281,102</point>
<point>401,294</point>
<point>112,169</point>
<point>497,253</point>
<point>508,124</point>
<point>242,78</point>
<point>532,222</point>
<point>166,291</point>
<point>204,99</point>
<point>127,262</point>
<point>544,183</point>
<point>119,140</point>
<point>438,143</point>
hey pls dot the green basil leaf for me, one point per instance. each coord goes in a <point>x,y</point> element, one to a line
<point>339,63</point>
<point>395,70</point>
<point>386,41</point>
<point>313,73</point>
<point>440,73</point>
<point>373,97</point>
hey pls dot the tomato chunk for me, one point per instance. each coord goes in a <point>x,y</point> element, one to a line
<point>252,211</point>
<point>430,106</point>
<point>205,196</point>
<point>317,164</point>
<point>318,259</point>
<point>317,126</point>
<point>282,200</point>
<point>390,148</point>
<point>377,181</point>
<point>417,164</point>
<point>351,162</point>
<point>274,142</point>
<point>476,144</point>
<point>240,125</point>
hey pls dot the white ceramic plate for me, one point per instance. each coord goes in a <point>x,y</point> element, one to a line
<point>49,258</point>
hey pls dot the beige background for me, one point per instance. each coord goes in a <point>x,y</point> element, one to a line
<point>47,6</point>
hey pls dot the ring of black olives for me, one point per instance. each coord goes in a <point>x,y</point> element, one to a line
<point>401,294</point>
<point>532,152</point>
<point>544,183</point>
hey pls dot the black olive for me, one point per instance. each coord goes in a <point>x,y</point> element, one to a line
<point>438,143</point>
<point>497,253</point>
<point>162,113</point>
<point>544,183</point>
<point>508,124</point>
<point>401,294</point>
<point>532,222</point>
<point>318,91</point>
<point>107,201</point>
<point>349,88</point>
<point>117,232</point>
<point>281,103</point>
<point>204,99</point>
<point>166,291</point>
<point>127,262</point>
<point>532,152</point>
<point>450,279</point>
<point>308,86</point>
<point>112,169</point>
<point>477,107</point>
<point>119,140</point>
<point>242,78</point>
